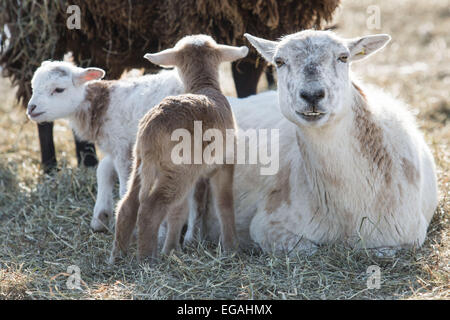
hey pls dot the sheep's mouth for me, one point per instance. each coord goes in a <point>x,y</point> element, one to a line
<point>311,115</point>
<point>35,115</point>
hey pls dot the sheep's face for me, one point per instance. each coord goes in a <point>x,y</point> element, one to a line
<point>314,84</point>
<point>58,90</point>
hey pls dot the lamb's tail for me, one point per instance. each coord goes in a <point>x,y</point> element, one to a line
<point>134,179</point>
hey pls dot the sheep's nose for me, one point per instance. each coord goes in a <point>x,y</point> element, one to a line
<point>31,108</point>
<point>312,97</point>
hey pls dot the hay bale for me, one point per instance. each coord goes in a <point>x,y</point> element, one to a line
<point>35,33</point>
<point>115,34</point>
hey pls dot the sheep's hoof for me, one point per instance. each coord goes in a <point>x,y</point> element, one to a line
<point>111,260</point>
<point>115,254</point>
<point>232,247</point>
<point>100,221</point>
<point>168,251</point>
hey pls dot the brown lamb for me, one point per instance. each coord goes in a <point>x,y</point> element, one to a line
<point>159,188</point>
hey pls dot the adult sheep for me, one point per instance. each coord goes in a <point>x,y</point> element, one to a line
<point>115,34</point>
<point>354,168</point>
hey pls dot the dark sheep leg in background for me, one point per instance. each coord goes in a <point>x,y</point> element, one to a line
<point>48,158</point>
<point>246,76</point>
<point>269,76</point>
<point>85,153</point>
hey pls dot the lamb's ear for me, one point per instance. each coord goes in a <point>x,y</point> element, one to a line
<point>363,47</point>
<point>265,47</point>
<point>45,62</point>
<point>164,58</point>
<point>88,74</point>
<point>230,53</point>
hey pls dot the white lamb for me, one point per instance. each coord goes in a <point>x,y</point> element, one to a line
<point>354,168</point>
<point>104,112</point>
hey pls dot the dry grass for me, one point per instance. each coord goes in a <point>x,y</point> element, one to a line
<point>44,220</point>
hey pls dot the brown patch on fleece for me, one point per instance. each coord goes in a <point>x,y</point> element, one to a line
<point>91,120</point>
<point>281,192</point>
<point>410,171</point>
<point>370,138</point>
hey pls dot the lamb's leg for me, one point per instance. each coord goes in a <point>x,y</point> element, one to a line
<point>170,190</point>
<point>175,222</point>
<point>103,210</point>
<point>222,188</point>
<point>126,214</point>
<point>122,162</point>
<point>152,211</point>
<point>198,201</point>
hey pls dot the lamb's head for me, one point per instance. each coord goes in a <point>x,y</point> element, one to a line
<point>313,69</point>
<point>58,90</point>
<point>197,50</point>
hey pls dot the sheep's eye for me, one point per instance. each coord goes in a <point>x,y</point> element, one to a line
<point>59,90</point>
<point>279,62</point>
<point>343,58</point>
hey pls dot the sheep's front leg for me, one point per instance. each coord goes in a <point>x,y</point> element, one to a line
<point>104,204</point>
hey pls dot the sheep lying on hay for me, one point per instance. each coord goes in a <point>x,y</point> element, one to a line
<point>354,169</point>
<point>115,34</point>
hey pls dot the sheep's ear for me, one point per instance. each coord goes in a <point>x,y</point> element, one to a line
<point>45,62</point>
<point>363,47</point>
<point>230,53</point>
<point>265,47</point>
<point>88,75</point>
<point>164,58</point>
